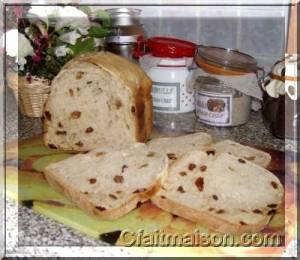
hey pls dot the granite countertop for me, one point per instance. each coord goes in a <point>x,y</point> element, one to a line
<point>36,230</point>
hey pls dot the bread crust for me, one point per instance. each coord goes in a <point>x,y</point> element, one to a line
<point>132,77</point>
<point>144,116</point>
<point>208,220</point>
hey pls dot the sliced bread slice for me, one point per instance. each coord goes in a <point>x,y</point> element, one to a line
<point>109,184</point>
<point>174,147</point>
<point>224,193</point>
<point>251,154</point>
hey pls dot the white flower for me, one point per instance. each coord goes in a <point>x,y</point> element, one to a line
<point>72,17</point>
<point>25,47</point>
<point>27,30</point>
<point>21,62</point>
<point>61,51</point>
<point>44,12</point>
<point>67,16</point>
<point>83,31</point>
<point>98,42</point>
<point>17,45</point>
<point>70,37</point>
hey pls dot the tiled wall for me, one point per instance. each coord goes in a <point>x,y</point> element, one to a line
<point>260,33</point>
<point>256,30</point>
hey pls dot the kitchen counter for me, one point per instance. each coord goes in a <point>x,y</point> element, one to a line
<point>36,230</point>
<point>254,132</point>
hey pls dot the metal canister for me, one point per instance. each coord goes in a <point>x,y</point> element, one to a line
<point>122,45</point>
<point>126,32</point>
<point>124,16</point>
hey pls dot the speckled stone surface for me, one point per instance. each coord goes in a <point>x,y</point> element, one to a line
<point>36,230</point>
<point>254,132</point>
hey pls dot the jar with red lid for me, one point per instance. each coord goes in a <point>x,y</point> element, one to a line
<point>168,63</point>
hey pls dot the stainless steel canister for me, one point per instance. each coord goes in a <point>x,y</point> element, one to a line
<point>126,31</point>
<point>122,45</point>
<point>124,16</point>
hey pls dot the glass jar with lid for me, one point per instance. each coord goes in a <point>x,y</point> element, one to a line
<point>224,84</point>
<point>282,97</point>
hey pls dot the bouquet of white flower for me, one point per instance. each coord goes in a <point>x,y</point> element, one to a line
<point>46,38</point>
<point>49,36</point>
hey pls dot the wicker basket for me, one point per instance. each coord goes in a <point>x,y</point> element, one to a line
<point>30,97</point>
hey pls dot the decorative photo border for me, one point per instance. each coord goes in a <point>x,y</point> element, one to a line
<point>9,220</point>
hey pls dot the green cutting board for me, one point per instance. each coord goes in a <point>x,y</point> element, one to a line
<point>28,186</point>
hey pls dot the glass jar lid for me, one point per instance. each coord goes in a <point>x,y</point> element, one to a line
<point>227,58</point>
<point>213,85</point>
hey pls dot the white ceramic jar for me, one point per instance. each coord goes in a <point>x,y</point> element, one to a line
<point>168,65</point>
<point>169,88</point>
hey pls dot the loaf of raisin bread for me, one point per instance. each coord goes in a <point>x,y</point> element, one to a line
<point>174,147</point>
<point>225,193</point>
<point>251,154</point>
<point>98,99</point>
<point>108,184</point>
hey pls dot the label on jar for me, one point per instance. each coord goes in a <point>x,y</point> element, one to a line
<point>213,108</point>
<point>166,96</point>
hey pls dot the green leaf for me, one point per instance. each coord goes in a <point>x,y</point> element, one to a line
<point>104,17</point>
<point>40,164</point>
<point>83,46</point>
<point>85,9</point>
<point>98,32</point>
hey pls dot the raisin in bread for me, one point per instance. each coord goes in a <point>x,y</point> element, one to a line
<point>109,185</point>
<point>224,193</point>
<point>227,146</point>
<point>174,147</point>
<point>98,99</point>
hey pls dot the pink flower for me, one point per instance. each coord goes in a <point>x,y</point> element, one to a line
<point>41,41</point>
<point>37,57</point>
